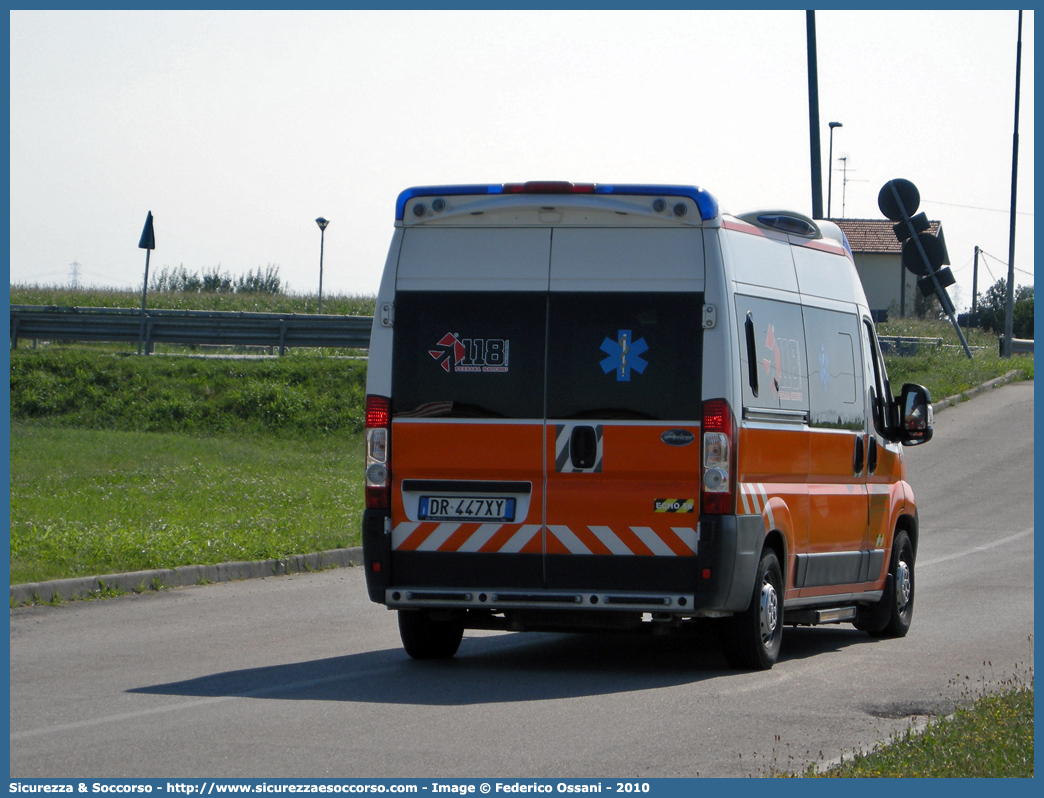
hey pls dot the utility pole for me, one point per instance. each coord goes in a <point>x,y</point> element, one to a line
<point>1009,312</point>
<point>813,116</point>
<point>830,166</point>
<point>844,182</point>
<point>322,238</point>
<point>975,281</point>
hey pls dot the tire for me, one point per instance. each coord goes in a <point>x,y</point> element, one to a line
<point>752,638</point>
<point>897,604</point>
<point>423,637</point>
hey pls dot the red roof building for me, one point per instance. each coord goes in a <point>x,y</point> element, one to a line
<point>888,286</point>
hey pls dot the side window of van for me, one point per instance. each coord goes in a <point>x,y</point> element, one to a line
<point>880,389</point>
<point>835,369</point>
<point>772,350</point>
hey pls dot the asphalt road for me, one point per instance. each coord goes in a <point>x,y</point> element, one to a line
<point>300,676</point>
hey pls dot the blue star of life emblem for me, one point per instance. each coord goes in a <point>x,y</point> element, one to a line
<point>824,367</point>
<point>624,355</point>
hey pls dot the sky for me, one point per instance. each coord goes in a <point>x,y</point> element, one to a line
<point>236,129</point>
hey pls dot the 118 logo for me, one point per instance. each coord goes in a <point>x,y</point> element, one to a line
<point>471,354</point>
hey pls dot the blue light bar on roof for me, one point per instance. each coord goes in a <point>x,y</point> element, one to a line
<point>706,203</point>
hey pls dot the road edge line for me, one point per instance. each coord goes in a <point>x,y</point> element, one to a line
<point>57,590</point>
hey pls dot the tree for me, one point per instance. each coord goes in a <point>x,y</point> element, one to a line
<point>991,307</point>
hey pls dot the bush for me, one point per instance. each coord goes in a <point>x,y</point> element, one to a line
<point>214,281</point>
<point>993,304</point>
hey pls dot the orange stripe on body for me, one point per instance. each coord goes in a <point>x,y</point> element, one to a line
<point>417,537</point>
<point>459,538</point>
<point>590,539</point>
<point>633,542</point>
<point>534,546</point>
<point>674,542</point>
<point>499,538</point>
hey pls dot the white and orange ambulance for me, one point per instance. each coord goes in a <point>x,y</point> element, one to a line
<point>614,407</point>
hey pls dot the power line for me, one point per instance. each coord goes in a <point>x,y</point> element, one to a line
<point>977,208</point>
<point>1003,263</point>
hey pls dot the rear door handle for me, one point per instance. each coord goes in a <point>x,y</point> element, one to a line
<point>583,447</point>
<point>860,456</point>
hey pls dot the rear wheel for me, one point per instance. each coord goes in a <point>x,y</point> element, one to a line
<point>752,638</point>
<point>425,637</point>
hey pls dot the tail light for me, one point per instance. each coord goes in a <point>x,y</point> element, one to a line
<point>378,452</point>
<point>718,489</point>
<point>549,187</point>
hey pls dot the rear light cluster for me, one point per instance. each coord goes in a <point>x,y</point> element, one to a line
<point>378,463</point>
<point>549,187</point>
<point>718,489</point>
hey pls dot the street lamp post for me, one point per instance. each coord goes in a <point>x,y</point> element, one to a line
<point>830,165</point>
<point>322,235</point>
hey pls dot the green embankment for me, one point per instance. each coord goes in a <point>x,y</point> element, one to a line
<point>121,463</point>
<point>280,397</point>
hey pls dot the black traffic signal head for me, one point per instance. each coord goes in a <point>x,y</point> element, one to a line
<point>923,253</point>
<point>898,199</point>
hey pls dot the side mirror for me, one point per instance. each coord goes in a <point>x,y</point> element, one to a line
<point>916,423</point>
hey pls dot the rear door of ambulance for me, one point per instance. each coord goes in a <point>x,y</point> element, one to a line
<point>546,397</point>
<point>623,403</point>
<point>467,432</point>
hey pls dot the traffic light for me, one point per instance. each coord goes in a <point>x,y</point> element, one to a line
<point>923,253</point>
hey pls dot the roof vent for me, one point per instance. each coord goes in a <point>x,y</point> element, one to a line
<point>785,222</point>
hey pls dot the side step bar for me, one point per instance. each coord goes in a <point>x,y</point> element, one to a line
<point>815,617</point>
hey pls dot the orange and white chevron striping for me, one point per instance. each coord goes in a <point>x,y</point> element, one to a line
<point>482,538</point>
<point>755,500</point>
<point>640,540</point>
<point>529,539</point>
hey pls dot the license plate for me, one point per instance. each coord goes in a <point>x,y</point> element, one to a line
<point>466,508</point>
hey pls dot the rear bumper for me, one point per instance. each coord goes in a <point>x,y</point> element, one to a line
<point>719,578</point>
<point>376,540</point>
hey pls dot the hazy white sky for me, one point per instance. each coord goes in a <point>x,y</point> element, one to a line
<point>238,128</point>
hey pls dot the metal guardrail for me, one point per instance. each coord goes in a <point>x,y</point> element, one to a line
<point>906,345</point>
<point>189,327</point>
<point>1019,346</point>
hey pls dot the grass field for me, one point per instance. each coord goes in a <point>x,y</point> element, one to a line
<point>88,502</point>
<point>946,370</point>
<point>991,737</point>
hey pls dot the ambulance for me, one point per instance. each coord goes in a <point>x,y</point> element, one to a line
<point>597,407</point>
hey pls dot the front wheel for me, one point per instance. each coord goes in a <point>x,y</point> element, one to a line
<point>898,602</point>
<point>752,638</point>
<point>424,637</point>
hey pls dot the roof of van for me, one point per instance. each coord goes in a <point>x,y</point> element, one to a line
<point>707,204</point>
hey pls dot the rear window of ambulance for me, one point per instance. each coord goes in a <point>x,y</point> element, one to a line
<point>477,354</point>
<point>624,355</point>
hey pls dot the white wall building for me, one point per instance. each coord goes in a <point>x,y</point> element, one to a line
<point>878,258</point>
